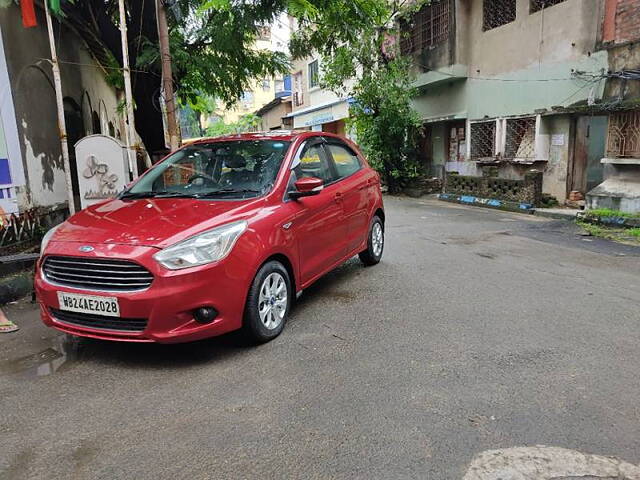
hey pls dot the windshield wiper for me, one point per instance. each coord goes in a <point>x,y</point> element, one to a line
<point>133,195</point>
<point>226,191</point>
<point>175,195</point>
<point>160,194</point>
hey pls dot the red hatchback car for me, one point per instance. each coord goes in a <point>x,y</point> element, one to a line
<point>220,235</point>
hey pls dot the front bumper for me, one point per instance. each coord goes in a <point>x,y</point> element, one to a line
<point>167,304</point>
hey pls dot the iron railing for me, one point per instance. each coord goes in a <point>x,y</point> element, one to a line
<point>427,28</point>
<point>26,228</point>
<point>483,139</point>
<point>623,139</point>
<point>520,139</point>
<point>537,5</point>
<point>497,12</point>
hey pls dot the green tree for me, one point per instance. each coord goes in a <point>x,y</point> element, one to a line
<point>203,107</point>
<point>359,44</point>
<point>212,46</point>
<point>246,123</point>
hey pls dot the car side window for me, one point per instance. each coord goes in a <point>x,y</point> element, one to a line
<point>313,163</point>
<point>344,159</point>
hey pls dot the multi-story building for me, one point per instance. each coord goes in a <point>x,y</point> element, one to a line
<point>275,114</point>
<point>313,107</point>
<point>519,84</point>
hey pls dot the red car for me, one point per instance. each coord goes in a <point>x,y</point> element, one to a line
<point>222,234</point>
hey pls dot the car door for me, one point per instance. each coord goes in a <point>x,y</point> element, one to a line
<point>319,224</point>
<point>353,184</point>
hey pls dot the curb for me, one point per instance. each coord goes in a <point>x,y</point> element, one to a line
<point>10,264</point>
<point>624,222</point>
<point>15,287</point>
<point>487,203</point>
<point>556,216</point>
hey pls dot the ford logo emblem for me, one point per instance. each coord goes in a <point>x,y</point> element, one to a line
<point>86,248</point>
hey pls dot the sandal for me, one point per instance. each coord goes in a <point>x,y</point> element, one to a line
<point>7,327</point>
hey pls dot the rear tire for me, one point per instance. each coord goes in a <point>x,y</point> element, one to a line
<point>268,303</point>
<point>375,243</point>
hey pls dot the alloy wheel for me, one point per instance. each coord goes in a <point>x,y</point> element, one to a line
<point>377,239</point>
<point>272,302</point>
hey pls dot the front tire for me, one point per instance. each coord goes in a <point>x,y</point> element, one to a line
<point>375,243</point>
<point>268,302</point>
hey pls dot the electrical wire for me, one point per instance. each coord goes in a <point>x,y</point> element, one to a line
<point>101,66</point>
<point>498,79</point>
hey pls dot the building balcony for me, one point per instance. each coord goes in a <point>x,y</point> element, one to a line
<point>450,73</point>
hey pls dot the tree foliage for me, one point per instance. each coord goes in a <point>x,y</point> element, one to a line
<point>246,123</point>
<point>214,56</point>
<point>359,44</point>
<point>385,123</point>
<point>212,46</point>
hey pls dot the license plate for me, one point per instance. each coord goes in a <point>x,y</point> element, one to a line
<point>72,302</point>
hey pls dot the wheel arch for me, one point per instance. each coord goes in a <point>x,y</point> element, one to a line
<point>284,260</point>
<point>380,213</point>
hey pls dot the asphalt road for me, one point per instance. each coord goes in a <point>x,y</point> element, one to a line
<point>480,330</point>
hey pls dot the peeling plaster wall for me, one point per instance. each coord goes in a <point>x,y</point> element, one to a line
<point>555,174</point>
<point>31,82</point>
<point>103,97</point>
<point>565,32</point>
<point>520,68</point>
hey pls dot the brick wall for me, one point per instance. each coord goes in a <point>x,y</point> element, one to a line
<point>621,21</point>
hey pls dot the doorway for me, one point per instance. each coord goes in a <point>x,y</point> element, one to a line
<point>586,169</point>
<point>75,131</point>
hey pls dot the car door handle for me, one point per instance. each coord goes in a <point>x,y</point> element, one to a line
<point>338,196</point>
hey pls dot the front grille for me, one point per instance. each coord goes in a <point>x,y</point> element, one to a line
<point>100,321</point>
<point>96,273</point>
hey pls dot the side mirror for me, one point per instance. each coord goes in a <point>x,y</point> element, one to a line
<point>307,187</point>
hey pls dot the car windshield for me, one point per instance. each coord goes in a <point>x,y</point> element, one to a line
<point>228,169</point>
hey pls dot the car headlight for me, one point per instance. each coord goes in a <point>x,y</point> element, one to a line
<point>47,238</point>
<point>206,247</point>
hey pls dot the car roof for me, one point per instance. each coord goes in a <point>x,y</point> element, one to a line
<point>285,135</point>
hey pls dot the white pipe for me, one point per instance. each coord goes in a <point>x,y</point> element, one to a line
<point>130,131</point>
<point>60,104</point>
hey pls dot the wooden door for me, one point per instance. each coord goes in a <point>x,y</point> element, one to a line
<point>586,169</point>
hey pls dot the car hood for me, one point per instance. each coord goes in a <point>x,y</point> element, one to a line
<point>151,222</point>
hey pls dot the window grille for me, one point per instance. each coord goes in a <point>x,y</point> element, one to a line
<point>297,99</point>
<point>537,5</point>
<point>498,12</point>
<point>623,139</point>
<point>520,140</point>
<point>483,139</point>
<point>427,28</point>
<point>314,74</point>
